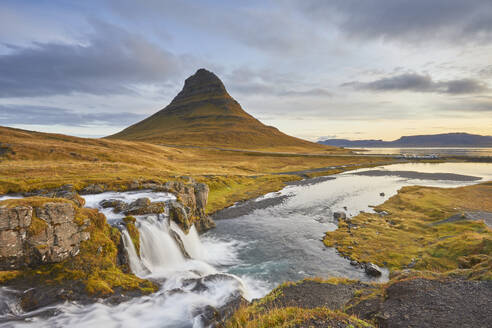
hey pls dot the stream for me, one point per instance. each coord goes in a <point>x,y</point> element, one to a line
<point>249,254</point>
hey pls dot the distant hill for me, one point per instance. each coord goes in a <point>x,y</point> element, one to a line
<point>434,140</point>
<point>204,114</point>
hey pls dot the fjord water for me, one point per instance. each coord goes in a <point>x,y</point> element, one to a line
<point>253,253</point>
<point>441,151</point>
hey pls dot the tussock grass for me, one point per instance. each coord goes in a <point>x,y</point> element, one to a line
<point>293,317</point>
<point>409,235</point>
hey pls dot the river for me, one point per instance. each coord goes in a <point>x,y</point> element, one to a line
<point>249,254</point>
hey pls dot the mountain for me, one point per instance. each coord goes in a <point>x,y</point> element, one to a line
<point>434,140</point>
<point>204,114</point>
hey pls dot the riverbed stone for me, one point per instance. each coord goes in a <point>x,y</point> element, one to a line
<point>372,270</point>
<point>339,215</point>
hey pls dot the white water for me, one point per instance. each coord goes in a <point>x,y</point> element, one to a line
<point>177,303</point>
<point>93,201</point>
<point>274,244</point>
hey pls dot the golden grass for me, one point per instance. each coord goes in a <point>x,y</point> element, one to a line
<point>44,160</point>
<point>409,235</point>
<point>292,317</point>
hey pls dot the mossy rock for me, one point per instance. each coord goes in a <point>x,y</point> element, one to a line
<point>133,232</point>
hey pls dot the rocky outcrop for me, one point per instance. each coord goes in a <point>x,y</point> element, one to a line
<point>429,303</point>
<point>66,191</point>
<point>189,208</point>
<point>178,214</point>
<point>34,235</point>
<point>193,197</point>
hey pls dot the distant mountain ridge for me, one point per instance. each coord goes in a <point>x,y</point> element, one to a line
<point>204,114</point>
<point>458,139</point>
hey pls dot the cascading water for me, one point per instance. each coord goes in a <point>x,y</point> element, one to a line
<point>162,258</point>
<point>189,285</point>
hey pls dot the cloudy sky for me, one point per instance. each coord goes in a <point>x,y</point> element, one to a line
<point>313,68</point>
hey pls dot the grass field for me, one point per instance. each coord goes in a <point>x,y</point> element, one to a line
<point>34,160</point>
<point>413,233</point>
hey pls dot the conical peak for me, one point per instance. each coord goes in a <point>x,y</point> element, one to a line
<point>202,84</point>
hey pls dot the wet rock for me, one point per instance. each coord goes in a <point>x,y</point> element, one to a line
<point>216,317</point>
<point>180,243</point>
<point>141,202</point>
<point>339,215</point>
<point>117,205</point>
<point>144,206</point>
<point>50,236</point>
<point>178,214</point>
<point>372,270</point>
<point>205,223</point>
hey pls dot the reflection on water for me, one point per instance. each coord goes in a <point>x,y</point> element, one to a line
<point>443,151</point>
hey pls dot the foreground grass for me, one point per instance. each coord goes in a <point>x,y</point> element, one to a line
<point>294,317</point>
<point>411,234</point>
<point>267,313</point>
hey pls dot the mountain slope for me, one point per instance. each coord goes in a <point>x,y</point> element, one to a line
<point>435,140</point>
<point>204,114</point>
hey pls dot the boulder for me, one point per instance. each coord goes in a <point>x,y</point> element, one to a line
<point>180,243</point>
<point>44,234</point>
<point>141,202</point>
<point>144,206</point>
<point>339,215</point>
<point>372,270</point>
<point>117,205</point>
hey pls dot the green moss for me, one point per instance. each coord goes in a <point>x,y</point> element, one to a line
<point>37,226</point>
<point>9,275</point>
<point>133,232</point>
<point>96,264</point>
<point>413,234</point>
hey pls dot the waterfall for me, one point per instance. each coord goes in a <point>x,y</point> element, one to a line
<point>191,242</point>
<point>160,253</point>
<point>136,265</point>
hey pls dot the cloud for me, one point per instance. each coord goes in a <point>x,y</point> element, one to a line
<point>406,20</point>
<point>112,61</point>
<point>467,105</point>
<point>271,28</point>
<point>420,83</point>
<point>270,83</point>
<point>43,115</point>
